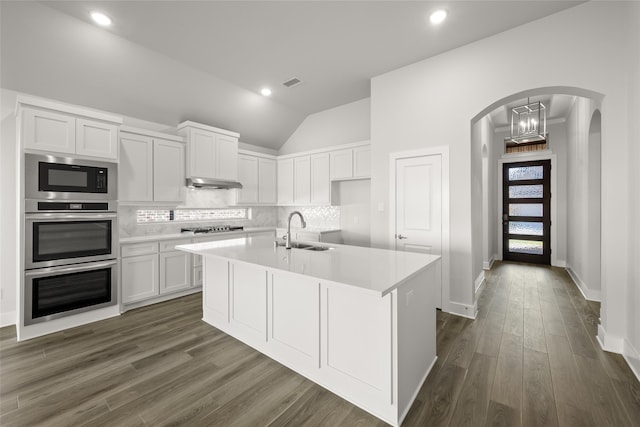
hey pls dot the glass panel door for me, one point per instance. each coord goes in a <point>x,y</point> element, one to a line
<point>527,212</point>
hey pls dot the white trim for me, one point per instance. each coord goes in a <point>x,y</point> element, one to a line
<point>47,104</point>
<point>479,282</point>
<point>201,126</point>
<point>152,134</point>
<point>526,157</point>
<point>162,298</point>
<point>489,265</point>
<point>257,154</point>
<point>632,356</point>
<point>587,293</point>
<point>443,151</point>
<point>610,342</point>
<point>463,310</point>
<point>325,149</point>
<point>7,318</point>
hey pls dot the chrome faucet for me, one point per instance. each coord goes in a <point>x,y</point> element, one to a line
<point>288,236</point>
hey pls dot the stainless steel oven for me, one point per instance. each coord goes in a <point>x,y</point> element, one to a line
<point>55,292</point>
<point>61,233</point>
<point>70,258</point>
<point>66,178</point>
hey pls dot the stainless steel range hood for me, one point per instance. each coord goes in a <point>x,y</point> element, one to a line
<point>212,183</point>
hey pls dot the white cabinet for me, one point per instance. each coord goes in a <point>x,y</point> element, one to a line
<point>362,162</point>
<point>175,271</point>
<point>139,277</point>
<point>248,177</point>
<point>302,180</point>
<point>168,171</point>
<point>267,184</point>
<point>258,178</point>
<point>48,131</point>
<point>285,181</point>
<point>152,269</point>
<point>320,181</point>
<point>211,152</point>
<point>351,163</point>
<point>96,139</point>
<point>151,169</point>
<point>52,131</point>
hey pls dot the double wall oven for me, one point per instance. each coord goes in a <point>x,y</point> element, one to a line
<point>71,237</point>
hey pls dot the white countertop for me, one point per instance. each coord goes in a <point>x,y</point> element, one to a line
<point>375,270</point>
<point>319,230</point>
<point>189,235</point>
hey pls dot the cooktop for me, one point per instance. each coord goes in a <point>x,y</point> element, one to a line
<point>211,229</point>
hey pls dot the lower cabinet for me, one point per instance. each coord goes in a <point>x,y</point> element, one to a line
<point>175,271</point>
<point>149,270</point>
<point>139,277</point>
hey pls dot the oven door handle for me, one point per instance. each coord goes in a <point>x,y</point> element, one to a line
<point>70,269</point>
<point>65,216</point>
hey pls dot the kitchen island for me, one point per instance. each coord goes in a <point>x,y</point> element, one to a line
<point>357,321</point>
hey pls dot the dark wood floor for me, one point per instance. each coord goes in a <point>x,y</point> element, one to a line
<point>530,358</point>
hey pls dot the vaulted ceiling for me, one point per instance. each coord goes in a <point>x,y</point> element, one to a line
<point>168,61</point>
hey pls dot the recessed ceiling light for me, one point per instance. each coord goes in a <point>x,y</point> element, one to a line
<point>101,19</point>
<point>438,16</point>
<point>265,91</point>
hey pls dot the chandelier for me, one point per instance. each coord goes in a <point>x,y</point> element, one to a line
<point>528,123</point>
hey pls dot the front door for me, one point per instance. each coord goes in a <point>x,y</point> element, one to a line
<point>418,182</point>
<point>526,212</point>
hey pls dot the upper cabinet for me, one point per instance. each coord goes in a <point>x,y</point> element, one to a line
<point>211,152</point>
<point>351,163</point>
<point>320,193</point>
<point>60,128</point>
<point>285,181</point>
<point>257,174</point>
<point>151,167</point>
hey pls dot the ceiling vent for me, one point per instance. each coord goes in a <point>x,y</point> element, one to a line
<point>292,82</point>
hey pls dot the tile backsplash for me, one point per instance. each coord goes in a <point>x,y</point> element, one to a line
<point>315,216</point>
<point>261,216</point>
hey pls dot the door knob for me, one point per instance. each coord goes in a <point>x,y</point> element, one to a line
<point>400,236</point>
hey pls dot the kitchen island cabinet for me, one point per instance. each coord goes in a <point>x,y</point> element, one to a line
<point>357,321</point>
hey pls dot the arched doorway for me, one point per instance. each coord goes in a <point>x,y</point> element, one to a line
<point>572,139</point>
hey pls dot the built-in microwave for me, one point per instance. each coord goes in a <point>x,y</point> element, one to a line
<point>66,178</point>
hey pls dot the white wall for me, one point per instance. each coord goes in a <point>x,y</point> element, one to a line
<point>340,125</point>
<point>432,103</point>
<point>479,137</point>
<point>632,342</point>
<point>8,216</point>
<point>578,191</point>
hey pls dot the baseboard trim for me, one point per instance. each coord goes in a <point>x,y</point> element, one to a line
<point>487,265</point>
<point>479,282</point>
<point>610,342</point>
<point>415,394</point>
<point>464,310</point>
<point>632,356</point>
<point>7,319</point>
<point>560,263</point>
<point>587,293</point>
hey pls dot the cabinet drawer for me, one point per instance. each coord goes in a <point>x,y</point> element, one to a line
<point>139,249</point>
<point>170,245</point>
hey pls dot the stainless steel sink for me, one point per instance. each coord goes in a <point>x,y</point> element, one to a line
<point>305,246</point>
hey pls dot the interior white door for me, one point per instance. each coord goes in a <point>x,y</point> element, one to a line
<point>418,209</point>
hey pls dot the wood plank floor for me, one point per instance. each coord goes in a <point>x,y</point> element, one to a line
<point>529,359</point>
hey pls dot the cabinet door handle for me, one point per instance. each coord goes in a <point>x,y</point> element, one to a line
<point>400,236</point>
